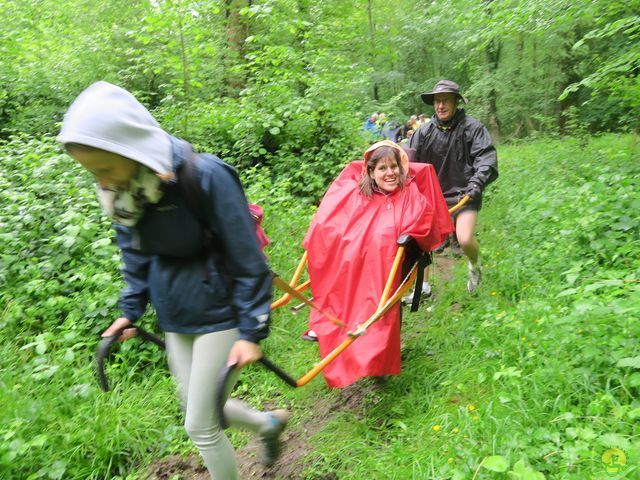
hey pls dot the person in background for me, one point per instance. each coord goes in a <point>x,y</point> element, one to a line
<point>206,278</point>
<point>406,132</point>
<point>381,122</point>
<point>371,124</point>
<point>413,122</point>
<point>422,119</point>
<point>406,138</point>
<point>462,152</point>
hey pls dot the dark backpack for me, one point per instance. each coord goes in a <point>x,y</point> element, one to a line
<point>189,185</point>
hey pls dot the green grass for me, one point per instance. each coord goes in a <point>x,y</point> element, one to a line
<point>530,368</point>
<point>536,376</point>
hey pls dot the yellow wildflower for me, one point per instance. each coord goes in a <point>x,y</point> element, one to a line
<point>472,407</point>
<point>436,428</point>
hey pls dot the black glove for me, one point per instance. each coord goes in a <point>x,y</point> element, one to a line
<point>474,191</point>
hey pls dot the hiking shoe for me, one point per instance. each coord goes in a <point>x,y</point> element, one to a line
<point>270,435</point>
<point>475,275</point>
<point>426,293</point>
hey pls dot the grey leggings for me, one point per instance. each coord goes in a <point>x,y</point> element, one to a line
<point>195,361</point>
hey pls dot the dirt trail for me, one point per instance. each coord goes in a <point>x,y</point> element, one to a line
<point>295,444</point>
<point>295,439</point>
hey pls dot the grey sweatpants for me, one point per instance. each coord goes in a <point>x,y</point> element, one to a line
<point>195,361</point>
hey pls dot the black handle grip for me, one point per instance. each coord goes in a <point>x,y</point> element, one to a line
<point>279,372</point>
<point>102,353</point>
<point>104,347</point>
<point>150,337</point>
<point>222,392</point>
<point>226,379</point>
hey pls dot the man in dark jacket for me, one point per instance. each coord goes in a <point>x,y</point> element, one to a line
<point>462,152</point>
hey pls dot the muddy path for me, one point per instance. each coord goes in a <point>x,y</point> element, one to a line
<point>290,465</point>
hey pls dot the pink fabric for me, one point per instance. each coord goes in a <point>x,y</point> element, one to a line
<point>257,214</point>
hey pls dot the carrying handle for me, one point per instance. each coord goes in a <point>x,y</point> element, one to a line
<point>288,379</point>
<point>227,378</point>
<point>104,348</point>
<point>463,201</point>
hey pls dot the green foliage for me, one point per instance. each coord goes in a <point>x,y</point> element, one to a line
<point>615,41</point>
<point>262,81</point>
<point>534,377</point>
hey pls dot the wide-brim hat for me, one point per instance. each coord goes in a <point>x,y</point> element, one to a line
<point>443,86</point>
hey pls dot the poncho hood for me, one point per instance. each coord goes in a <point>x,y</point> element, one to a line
<point>404,159</point>
<point>110,118</point>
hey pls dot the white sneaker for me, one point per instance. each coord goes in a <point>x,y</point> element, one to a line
<point>310,336</point>
<point>475,275</point>
<point>426,293</point>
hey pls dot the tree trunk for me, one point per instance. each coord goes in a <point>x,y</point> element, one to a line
<point>372,46</point>
<point>492,55</point>
<point>185,81</point>
<point>236,34</point>
<point>303,13</point>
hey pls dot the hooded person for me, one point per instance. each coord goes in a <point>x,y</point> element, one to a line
<point>204,275</point>
<point>351,245</point>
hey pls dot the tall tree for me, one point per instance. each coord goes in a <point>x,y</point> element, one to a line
<point>237,30</point>
<point>492,52</point>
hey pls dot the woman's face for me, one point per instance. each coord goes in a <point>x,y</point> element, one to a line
<point>386,174</point>
<point>110,169</point>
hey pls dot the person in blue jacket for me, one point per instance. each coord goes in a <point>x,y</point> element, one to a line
<point>206,277</point>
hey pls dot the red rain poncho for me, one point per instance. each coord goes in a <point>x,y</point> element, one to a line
<point>351,244</point>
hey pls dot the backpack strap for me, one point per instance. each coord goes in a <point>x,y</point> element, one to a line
<point>191,191</point>
<point>189,184</point>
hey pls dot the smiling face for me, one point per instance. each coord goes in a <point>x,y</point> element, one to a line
<point>386,174</point>
<point>110,169</point>
<point>445,105</point>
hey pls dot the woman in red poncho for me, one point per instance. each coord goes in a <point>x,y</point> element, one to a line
<point>352,244</point>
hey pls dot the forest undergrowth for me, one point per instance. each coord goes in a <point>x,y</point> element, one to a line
<point>536,376</point>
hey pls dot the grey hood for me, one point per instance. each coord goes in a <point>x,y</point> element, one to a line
<point>108,117</point>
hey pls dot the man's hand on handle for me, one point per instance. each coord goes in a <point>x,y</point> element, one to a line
<point>473,190</point>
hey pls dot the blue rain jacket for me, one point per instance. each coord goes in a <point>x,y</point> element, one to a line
<point>199,278</point>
